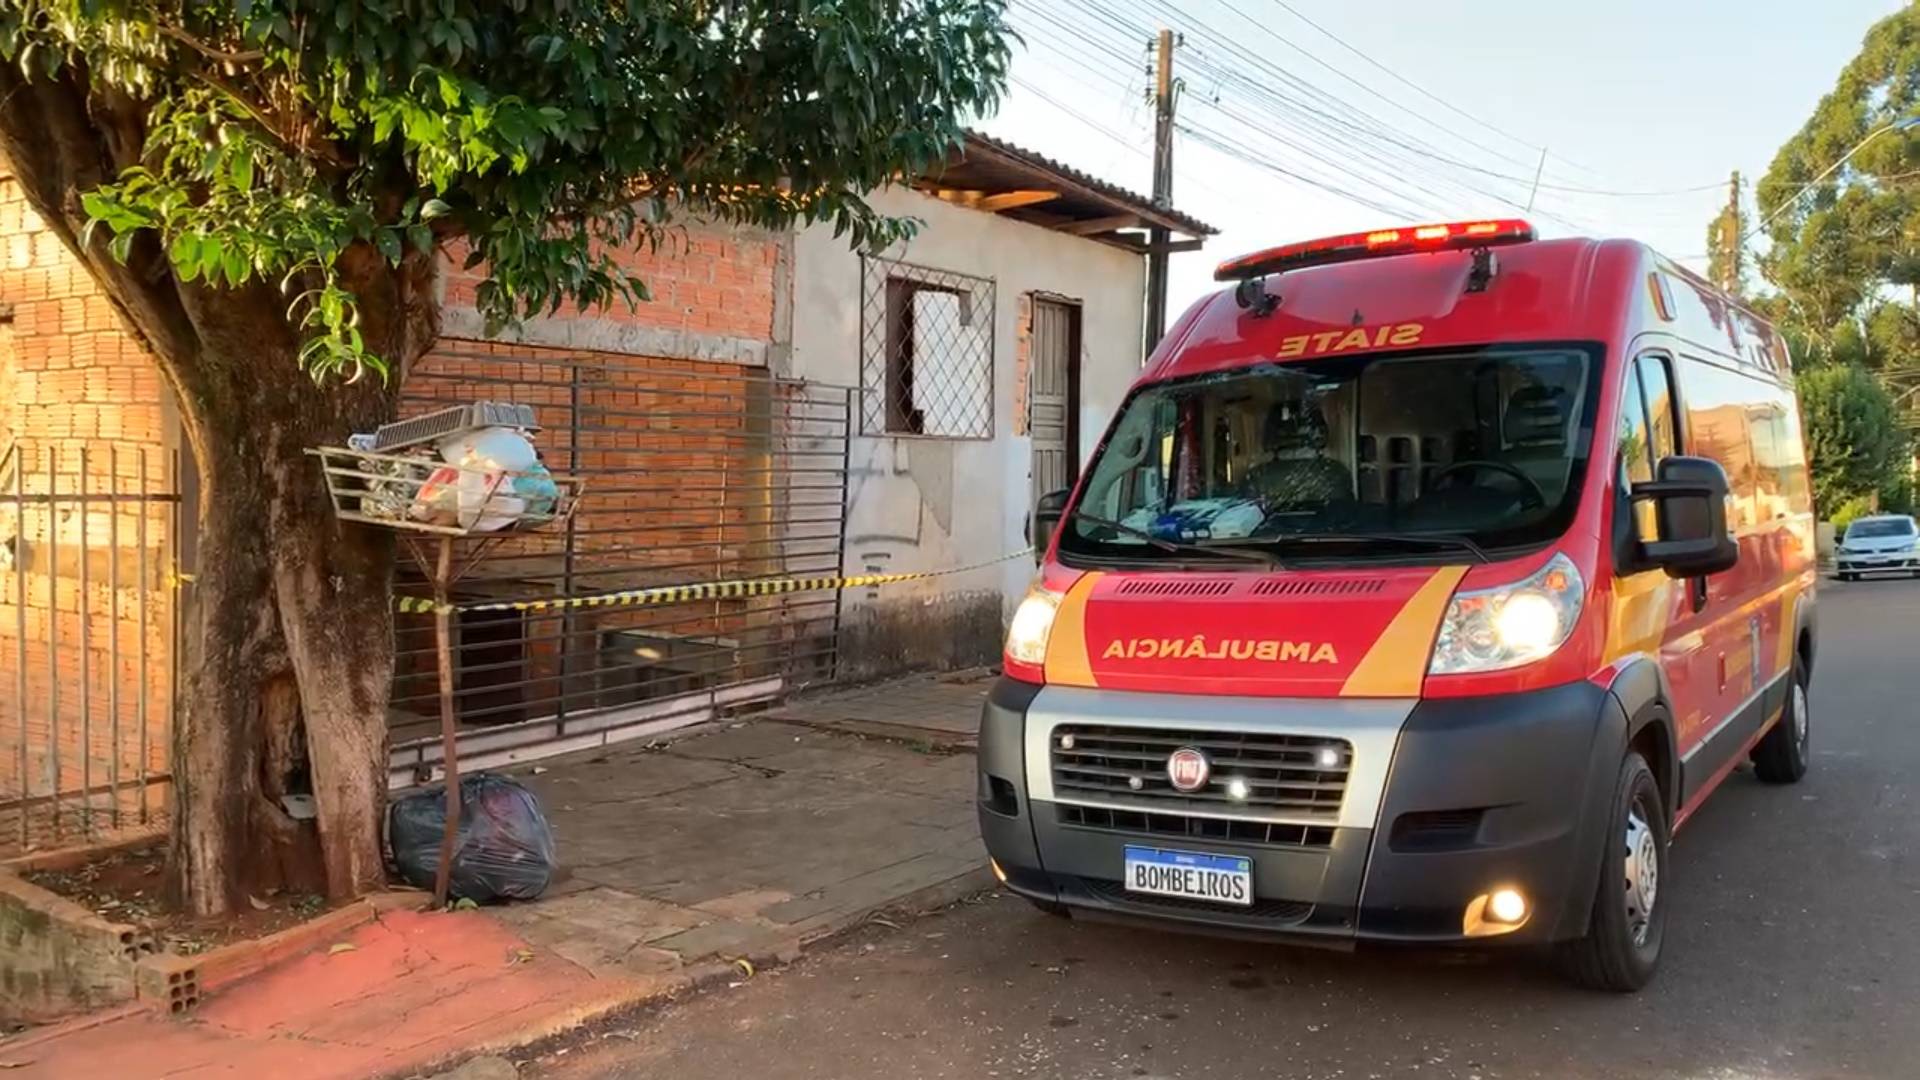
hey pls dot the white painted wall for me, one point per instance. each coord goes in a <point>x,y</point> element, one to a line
<point>932,503</point>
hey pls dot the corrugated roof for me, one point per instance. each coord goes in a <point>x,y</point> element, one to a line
<point>993,164</point>
<point>1120,196</point>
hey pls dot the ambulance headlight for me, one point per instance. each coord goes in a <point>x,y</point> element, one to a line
<point>1494,629</point>
<point>1032,625</point>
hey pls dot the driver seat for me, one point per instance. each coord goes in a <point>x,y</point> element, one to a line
<point>1534,434</point>
<point>1300,474</point>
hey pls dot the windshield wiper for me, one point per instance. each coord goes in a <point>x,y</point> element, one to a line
<point>1448,540</point>
<point>1250,554</point>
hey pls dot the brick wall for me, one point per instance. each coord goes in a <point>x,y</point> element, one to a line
<point>685,486</point>
<point>86,600</point>
<point>714,292</point>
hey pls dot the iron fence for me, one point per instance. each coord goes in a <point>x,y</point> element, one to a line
<point>692,472</point>
<point>88,625</point>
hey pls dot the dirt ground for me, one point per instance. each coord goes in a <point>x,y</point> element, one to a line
<point>130,887</point>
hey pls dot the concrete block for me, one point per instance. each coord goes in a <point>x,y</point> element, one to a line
<point>168,983</point>
<point>57,957</point>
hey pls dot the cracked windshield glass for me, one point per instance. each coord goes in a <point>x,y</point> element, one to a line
<point>1485,446</point>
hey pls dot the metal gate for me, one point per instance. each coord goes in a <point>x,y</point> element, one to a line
<point>88,623</point>
<point>694,472</point>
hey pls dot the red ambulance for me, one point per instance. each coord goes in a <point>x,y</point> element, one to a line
<point>1426,581</point>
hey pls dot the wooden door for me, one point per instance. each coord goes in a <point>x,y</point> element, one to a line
<point>1052,394</point>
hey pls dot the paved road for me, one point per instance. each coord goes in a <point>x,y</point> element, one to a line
<point>1793,951</point>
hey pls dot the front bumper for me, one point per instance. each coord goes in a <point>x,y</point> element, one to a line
<point>1896,562</point>
<point>1472,795</point>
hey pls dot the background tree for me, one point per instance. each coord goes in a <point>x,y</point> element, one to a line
<point>1844,266</point>
<point>1855,448</point>
<point>262,189</point>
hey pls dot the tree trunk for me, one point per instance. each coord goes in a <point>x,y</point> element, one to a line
<point>290,662</point>
<point>291,647</point>
<point>289,596</point>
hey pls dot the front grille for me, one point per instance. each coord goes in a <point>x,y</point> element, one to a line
<point>1293,586</point>
<point>1127,767</point>
<point>1116,894</point>
<point>1186,827</point>
<point>1175,586</point>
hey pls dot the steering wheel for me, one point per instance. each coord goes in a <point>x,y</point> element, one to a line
<point>1530,492</point>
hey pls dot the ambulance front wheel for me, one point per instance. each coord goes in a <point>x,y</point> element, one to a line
<point>1621,948</point>
<point>1049,907</point>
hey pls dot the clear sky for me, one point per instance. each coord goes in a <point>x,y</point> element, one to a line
<point>1629,96</point>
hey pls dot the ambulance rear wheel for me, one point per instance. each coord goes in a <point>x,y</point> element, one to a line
<point>1621,948</point>
<point>1781,757</point>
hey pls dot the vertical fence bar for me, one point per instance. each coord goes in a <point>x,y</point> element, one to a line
<point>113,627</point>
<point>567,622</point>
<point>53,631</point>
<point>82,604</point>
<point>20,624</point>
<point>840,533</point>
<point>145,587</point>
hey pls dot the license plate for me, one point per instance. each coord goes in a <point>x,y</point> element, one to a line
<point>1218,879</point>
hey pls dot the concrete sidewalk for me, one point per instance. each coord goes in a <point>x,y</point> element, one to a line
<point>678,862</point>
<point>751,841</point>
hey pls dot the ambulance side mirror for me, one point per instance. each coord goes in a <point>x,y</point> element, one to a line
<point>1047,511</point>
<point>1690,500</point>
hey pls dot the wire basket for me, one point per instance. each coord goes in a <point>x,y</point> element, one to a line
<point>424,494</point>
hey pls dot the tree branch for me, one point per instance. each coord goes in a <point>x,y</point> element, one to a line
<point>208,51</point>
<point>295,146</point>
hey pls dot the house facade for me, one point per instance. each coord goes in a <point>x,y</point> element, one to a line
<point>784,407</point>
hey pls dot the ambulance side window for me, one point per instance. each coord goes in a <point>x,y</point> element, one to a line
<point>1656,390</point>
<point>1636,463</point>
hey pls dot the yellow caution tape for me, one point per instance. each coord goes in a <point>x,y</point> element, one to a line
<point>711,590</point>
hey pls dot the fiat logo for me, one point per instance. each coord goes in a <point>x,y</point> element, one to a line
<point>1188,769</point>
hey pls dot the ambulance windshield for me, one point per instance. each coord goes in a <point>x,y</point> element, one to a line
<point>1488,446</point>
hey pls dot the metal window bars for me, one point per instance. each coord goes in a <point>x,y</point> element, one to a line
<point>927,351</point>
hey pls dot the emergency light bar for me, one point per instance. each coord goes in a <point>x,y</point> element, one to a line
<point>1380,242</point>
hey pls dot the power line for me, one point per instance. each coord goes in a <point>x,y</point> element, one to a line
<point>1267,165</point>
<point>1421,90</point>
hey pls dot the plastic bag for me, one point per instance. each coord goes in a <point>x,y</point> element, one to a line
<point>504,850</point>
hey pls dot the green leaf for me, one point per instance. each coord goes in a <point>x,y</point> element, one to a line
<point>421,238</point>
<point>449,90</point>
<point>388,241</point>
<point>434,208</point>
<point>234,264</point>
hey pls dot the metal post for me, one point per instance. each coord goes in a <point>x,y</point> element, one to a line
<point>83,603</point>
<point>851,399</point>
<point>20,624</point>
<point>449,739</point>
<point>1162,187</point>
<point>53,632</point>
<point>567,554</point>
<point>113,627</point>
<point>140,609</point>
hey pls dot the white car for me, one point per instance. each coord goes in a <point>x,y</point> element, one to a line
<point>1881,544</point>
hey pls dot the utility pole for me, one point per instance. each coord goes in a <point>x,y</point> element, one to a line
<point>1162,188</point>
<point>1732,263</point>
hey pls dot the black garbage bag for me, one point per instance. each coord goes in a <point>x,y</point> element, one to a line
<point>504,850</point>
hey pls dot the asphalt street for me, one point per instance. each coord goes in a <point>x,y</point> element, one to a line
<point>1793,951</point>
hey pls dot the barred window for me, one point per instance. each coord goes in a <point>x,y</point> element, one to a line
<point>926,351</point>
